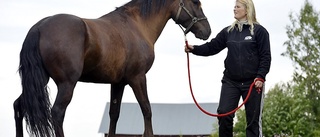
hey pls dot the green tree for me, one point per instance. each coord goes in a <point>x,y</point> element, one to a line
<point>286,112</point>
<point>303,48</point>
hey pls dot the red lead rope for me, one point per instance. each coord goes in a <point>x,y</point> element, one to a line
<point>218,115</point>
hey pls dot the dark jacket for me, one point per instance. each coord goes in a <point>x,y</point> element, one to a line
<point>248,55</point>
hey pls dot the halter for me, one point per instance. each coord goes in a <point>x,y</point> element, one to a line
<point>194,19</point>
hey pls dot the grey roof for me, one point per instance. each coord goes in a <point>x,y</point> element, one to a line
<point>167,119</point>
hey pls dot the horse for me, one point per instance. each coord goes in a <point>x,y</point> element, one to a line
<point>116,48</point>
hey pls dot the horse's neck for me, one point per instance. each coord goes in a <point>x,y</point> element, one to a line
<point>153,25</point>
<point>150,26</point>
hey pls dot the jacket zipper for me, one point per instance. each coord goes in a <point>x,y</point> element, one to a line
<point>240,56</point>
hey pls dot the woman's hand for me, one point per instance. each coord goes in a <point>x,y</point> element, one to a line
<point>188,48</point>
<point>258,83</point>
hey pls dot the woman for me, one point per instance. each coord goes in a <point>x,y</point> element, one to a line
<point>248,60</point>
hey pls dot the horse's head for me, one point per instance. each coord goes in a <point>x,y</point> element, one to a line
<point>189,14</point>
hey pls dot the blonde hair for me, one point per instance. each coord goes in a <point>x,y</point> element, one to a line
<point>251,15</point>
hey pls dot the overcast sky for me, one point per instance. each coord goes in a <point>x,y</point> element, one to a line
<point>167,79</point>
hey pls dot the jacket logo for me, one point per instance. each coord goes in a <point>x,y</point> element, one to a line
<point>248,38</point>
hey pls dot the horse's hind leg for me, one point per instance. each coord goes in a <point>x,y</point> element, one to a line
<point>62,51</point>
<point>18,116</point>
<point>64,96</point>
<point>115,103</point>
<point>139,86</point>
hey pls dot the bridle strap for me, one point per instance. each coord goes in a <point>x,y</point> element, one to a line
<point>181,4</point>
<point>194,19</point>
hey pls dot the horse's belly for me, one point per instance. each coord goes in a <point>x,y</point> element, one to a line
<point>98,76</point>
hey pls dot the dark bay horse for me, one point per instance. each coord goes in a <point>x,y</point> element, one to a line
<point>117,48</point>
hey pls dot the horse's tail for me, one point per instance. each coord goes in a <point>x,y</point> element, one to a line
<point>34,80</point>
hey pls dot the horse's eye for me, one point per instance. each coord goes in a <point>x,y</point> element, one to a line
<point>196,2</point>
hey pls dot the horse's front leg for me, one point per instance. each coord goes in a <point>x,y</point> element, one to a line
<point>115,103</point>
<point>18,116</point>
<point>139,86</point>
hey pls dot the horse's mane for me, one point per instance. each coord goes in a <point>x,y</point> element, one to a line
<point>145,6</point>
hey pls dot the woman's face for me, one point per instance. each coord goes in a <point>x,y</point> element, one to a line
<point>240,12</point>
